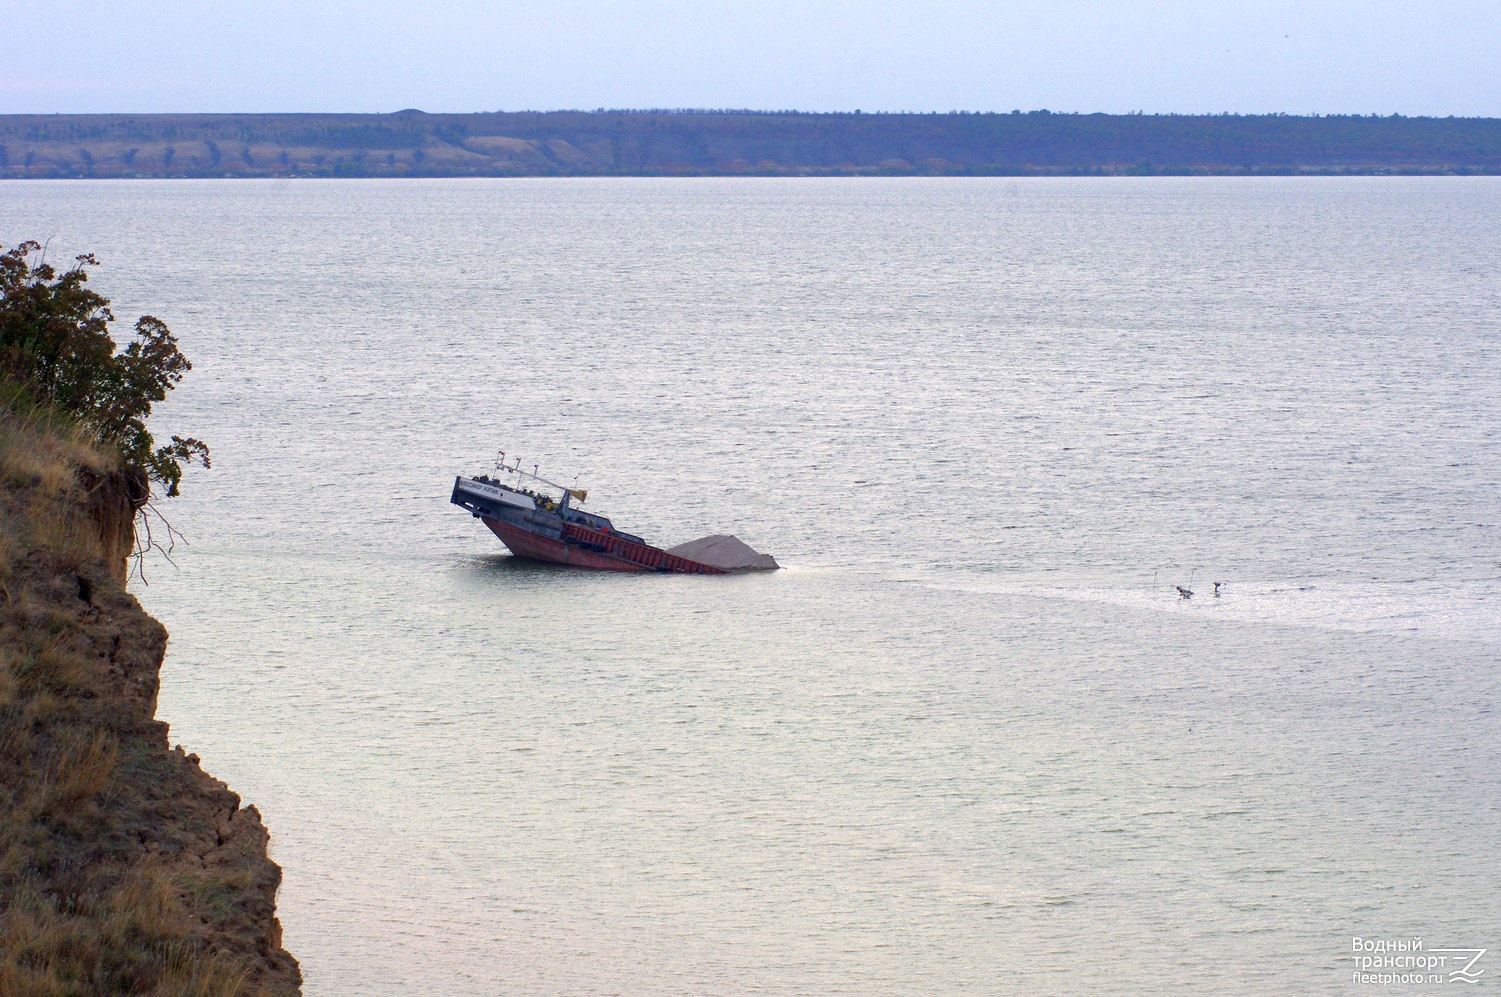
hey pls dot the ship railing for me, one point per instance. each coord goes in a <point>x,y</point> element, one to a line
<point>637,553</point>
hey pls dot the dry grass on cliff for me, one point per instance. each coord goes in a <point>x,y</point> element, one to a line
<point>131,939</point>
<point>93,898</point>
<point>41,456</point>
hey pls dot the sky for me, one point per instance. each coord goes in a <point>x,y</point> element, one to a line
<point>1411,57</point>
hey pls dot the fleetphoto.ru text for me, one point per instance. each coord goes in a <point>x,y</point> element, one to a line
<point>1407,962</point>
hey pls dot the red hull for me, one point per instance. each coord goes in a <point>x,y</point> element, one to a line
<point>524,543</point>
<point>619,554</point>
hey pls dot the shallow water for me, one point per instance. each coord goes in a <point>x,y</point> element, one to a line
<point>970,740</point>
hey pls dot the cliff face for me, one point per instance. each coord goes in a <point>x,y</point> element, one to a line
<point>124,867</point>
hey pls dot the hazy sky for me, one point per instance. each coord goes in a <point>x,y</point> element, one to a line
<point>1410,57</point>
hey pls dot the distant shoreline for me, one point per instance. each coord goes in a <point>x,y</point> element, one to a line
<point>607,143</point>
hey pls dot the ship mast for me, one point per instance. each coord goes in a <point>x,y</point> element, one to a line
<point>515,468</point>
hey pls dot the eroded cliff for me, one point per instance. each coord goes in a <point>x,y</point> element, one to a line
<point>124,867</point>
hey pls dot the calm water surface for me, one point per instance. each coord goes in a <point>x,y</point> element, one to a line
<point>970,741</point>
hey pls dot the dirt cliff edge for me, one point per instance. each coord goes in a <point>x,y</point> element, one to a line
<point>124,867</point>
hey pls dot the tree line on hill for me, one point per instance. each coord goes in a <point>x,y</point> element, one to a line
<point>734,142</point>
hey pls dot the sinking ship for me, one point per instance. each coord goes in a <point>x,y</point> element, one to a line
<point>541,520</point>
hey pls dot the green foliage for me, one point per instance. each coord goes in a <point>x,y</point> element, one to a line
<point>55,345</point>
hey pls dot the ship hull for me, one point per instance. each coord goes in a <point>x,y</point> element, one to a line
<point>536,547</point>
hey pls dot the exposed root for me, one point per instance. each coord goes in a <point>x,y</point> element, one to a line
<point>146,541</point>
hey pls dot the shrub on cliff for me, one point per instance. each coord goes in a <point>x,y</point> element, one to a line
<point>56,351</point>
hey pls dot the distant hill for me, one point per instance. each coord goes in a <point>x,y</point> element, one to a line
<point>411,143</point>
